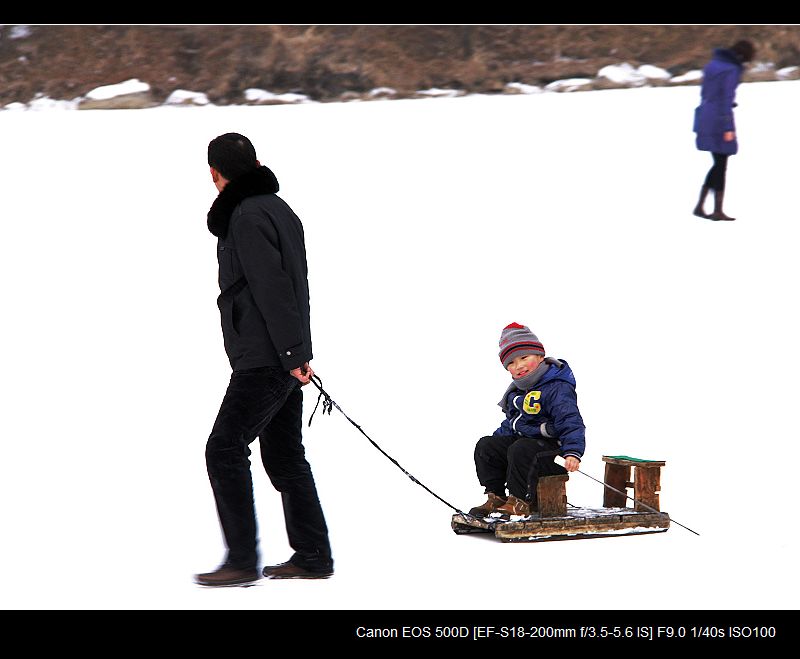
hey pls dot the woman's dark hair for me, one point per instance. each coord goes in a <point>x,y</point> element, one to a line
<point>744,50</point>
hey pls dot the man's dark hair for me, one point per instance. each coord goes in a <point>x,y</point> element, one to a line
<point>232,155</point>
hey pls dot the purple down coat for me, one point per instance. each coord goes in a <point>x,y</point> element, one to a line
<point>714,116</point>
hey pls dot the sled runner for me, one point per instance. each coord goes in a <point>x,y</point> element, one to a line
<point>556,520</point>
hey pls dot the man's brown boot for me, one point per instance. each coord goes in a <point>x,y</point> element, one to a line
<point>227,576</point>
<point>291,571</point>
<point>491,505</point>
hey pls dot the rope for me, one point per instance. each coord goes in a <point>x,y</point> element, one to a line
<point>328,404</point>
<point>641,503</point>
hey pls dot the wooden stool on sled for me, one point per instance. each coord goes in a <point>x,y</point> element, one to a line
<point>646,482</point>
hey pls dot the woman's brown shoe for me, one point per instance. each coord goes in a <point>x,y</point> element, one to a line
<point>720,217</point>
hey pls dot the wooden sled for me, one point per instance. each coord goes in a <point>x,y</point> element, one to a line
<point>556,521</point>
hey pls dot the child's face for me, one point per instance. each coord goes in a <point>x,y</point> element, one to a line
<point>521,366</point>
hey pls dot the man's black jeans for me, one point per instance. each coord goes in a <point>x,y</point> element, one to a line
<point>266,403</point>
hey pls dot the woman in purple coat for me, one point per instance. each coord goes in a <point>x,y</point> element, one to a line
<point>713,120</point>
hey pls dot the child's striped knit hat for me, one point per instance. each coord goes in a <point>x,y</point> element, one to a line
<point>518,341</point>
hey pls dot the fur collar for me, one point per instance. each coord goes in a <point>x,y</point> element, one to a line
<point>259,181</point>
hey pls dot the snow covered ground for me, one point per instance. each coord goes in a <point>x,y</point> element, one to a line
<point>430,225</point>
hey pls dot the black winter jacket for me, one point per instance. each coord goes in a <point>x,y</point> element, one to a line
<point>263,274</point>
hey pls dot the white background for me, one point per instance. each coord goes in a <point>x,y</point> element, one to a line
<point>430,225</point>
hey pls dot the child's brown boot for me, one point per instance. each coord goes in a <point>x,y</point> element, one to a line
<point>514,506</point>
<point>491,505</point>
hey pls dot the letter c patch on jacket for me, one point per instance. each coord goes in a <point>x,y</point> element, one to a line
<point>532,408</point>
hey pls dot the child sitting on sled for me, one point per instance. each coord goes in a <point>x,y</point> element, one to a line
<point>542,421</point>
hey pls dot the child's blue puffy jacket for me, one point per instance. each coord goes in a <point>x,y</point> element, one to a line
<point>549,409</point>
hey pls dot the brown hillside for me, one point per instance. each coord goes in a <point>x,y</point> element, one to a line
<point>324,62</point>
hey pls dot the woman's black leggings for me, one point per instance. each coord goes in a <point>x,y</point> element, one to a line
<point>715,179</point>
